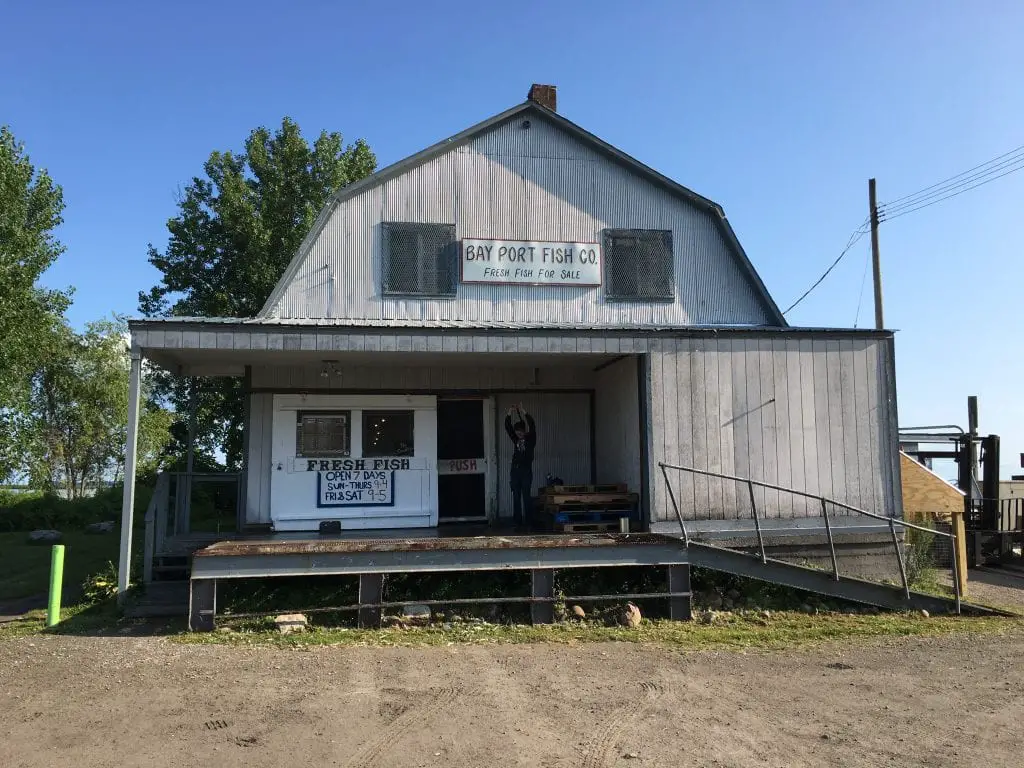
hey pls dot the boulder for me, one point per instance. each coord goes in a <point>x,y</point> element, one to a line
<point>44,537</point>
<point>416,614</point>
<point>630,616</point>
<point>290,622</point>
<point>107,526</point>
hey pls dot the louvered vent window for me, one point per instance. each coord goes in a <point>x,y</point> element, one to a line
<point>419,259</point>
<point>638,265</point>
<point>323,434</point>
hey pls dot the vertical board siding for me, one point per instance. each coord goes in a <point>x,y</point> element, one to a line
<point>697,423</point>
<point>617,424</point>
<point>563,440</point>
<point>812,415</point>
<point>257,495</point>
<point>538,184</point>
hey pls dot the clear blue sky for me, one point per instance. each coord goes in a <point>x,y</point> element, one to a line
<point>780,111</point>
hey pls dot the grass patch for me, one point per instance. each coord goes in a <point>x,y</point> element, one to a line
<point>729,631</point>
<point>25,568</point>
<point>78,619</point>
<point>732,631</point>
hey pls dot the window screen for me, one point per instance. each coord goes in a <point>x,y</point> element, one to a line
<point>323,434</point>
<point>638,264</point>
<point>387,433</point>
<point>419,259</point>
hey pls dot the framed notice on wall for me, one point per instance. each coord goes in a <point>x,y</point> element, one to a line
<point>525,262</point>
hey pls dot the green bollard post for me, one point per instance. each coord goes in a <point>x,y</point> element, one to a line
<point>56,582</point>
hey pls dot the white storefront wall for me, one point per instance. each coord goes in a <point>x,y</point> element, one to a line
<point>394,492</point>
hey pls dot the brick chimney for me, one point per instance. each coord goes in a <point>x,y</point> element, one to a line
<point>544,95</point>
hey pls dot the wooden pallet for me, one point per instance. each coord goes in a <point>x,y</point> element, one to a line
<point>605,488</point>
<point>585,527</point>
<point>603,498</point>
<point>588,513</point>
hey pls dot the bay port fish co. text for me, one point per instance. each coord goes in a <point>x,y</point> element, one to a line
<point>531,262</point>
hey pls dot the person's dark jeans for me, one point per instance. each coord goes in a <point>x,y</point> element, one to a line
<point>521,482</point>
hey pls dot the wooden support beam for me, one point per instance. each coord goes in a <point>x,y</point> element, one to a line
<point>371,590</point>
<point>680,606</point>
<point>202,604</point>
<point>128,497</point>
<point>542,582</point>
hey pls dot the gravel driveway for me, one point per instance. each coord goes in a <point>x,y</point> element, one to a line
<point>91,701</point>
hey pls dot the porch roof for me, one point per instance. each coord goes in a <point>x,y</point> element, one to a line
<point>224,346</point>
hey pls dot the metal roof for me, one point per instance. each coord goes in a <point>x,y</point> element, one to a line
<point>256,323</point>
<point>526,107</point>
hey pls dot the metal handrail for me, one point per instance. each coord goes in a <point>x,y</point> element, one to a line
<point>824,501</point>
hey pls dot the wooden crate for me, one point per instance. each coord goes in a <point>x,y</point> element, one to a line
<point>605,488</point>
<point>587,513</point>
<point>585,527</point>
<point>594,498</point>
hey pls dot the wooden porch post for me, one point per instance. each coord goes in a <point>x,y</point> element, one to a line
<point>128,499</point>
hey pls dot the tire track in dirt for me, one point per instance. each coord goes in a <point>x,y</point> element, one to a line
<point>417,715</point>
<point>597,749</point>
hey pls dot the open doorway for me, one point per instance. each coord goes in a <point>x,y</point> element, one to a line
<point>463,459</point>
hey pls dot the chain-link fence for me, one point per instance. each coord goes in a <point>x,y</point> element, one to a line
<point>638,264</point>
<point>419,259</point>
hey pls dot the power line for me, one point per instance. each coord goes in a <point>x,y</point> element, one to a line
<point>863,280</point>
<point>854,239</point>
<point>965,181</point>
<point>951,178</point>
<point>991,173</point>
<point>903,212</point>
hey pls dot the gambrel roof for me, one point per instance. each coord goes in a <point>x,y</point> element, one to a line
<point>531,109</point>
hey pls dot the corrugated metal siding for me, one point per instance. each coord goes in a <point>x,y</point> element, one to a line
<point>563,441</point>
<point>617,423</point>
<point>537,184</point>
<point>420,378</point>
<point>257,495</point>
<point>814,415</point>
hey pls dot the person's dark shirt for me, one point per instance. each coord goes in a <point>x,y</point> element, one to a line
<point>522,447</point>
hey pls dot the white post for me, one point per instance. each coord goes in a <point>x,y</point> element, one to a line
<point>128,500</point>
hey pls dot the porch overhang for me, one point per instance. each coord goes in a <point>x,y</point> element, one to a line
<point>226,346</point>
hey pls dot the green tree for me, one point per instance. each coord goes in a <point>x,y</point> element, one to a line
<point>72,434</point>
<point>237,228</point>
<point>30,316</point>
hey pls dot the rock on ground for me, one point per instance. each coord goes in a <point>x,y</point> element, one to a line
<point>45,537</point>
<point>630,616</point>
<point>291,622</point>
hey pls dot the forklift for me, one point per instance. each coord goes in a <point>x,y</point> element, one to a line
<point>995,528</point>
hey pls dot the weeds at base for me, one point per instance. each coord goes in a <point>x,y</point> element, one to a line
<point>738,631</point>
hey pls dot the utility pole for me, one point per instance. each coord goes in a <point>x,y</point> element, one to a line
<point>876,264</point>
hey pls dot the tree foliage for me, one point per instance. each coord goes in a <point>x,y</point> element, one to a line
<point>30,316</point>
<point>71,437</point>
<point>236,230</point>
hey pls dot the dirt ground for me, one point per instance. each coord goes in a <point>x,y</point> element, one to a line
<point>147,701</point>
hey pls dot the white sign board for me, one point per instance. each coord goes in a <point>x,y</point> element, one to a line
<point>355,488</point>
<point>461,466</point>
<point>531,263</point>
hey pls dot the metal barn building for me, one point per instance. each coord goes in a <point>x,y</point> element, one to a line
<point>526,261</point>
